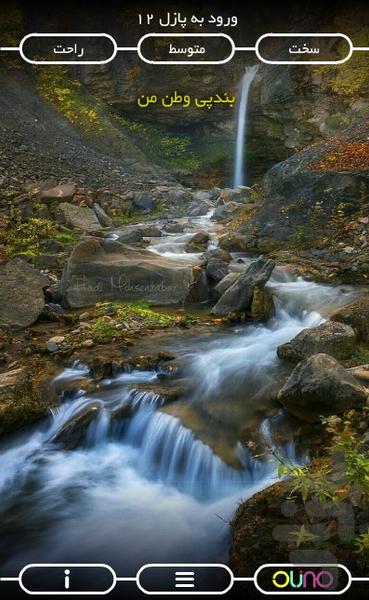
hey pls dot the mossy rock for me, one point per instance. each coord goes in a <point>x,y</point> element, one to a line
<point>262,306</point>
<point>26,395</point>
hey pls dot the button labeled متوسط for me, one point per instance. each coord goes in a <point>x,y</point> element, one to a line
<point>174,48</point>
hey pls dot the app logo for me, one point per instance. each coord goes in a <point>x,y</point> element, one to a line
<point>302,579</point>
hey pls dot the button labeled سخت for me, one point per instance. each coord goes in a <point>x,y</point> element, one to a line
<point>304,48</point>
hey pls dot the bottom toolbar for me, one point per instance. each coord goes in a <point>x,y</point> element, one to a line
<point>215,579</point>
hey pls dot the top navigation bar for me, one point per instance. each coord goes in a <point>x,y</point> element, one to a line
<point>186,48</point>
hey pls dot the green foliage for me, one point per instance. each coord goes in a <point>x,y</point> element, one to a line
<point>160,146</point>
<point>103,331</point>
<point>302,536</point>
<point>356,463</point>
<point>125,219</point>
<point>132,315</point>
<point>351,78</point>
<point>361,543</point>
<point>361,355</point>
<point>26,237</point>
<point>164,147</point>
<point>337,121</point>
<point>68,238</point>
<point>189,320</point>
<point>322,483</point>
<point>338,217</point>
<point>307,484</point>
<point>142,312</point>
<point>214,149</point>
<point>68,97</point>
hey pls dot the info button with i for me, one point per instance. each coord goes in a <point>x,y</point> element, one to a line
<point>59,579</point>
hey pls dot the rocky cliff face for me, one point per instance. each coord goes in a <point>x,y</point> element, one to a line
<point>290,107</point>
<point>308,196</point>
<point>294,106</point>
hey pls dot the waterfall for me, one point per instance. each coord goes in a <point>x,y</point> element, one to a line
<point>247,79</point>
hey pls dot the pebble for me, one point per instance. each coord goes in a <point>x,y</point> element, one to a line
<point>54,343</point>
<point>85,316</point>
<point>87,343</point>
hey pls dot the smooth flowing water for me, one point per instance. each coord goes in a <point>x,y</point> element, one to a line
<point>239,171</point>
<point>161,484</point>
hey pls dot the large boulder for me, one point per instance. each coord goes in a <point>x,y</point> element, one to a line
<point>151,231</point>
<point>101,270</point>
<point>225,283</point>
<point>238,194</point>
<point>233,242</point>
<point>217,253</point>
<point>79,217</point>
<point>198,209</point>
<point>62,192</point>
<point>198,242</point>
<point>130,236</point>
<point>216,269</point>
<point>144,202</point>
<point>262,305</point>
<point>355,314</point>
<point>103,218</point>
<point>26,394</point>
<point>21,294</point>
<point>318,386</point>
<point>238,297</point>
<point>174,227</point>
<point>199,290</point>
<point>204,196</point>
<point>223,212</point>
<point>336,339</point>
<point>300,195</point>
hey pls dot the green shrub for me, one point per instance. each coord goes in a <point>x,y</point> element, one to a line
<point>160,146</point>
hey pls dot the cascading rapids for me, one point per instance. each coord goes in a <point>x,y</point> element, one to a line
<point>146,488</point>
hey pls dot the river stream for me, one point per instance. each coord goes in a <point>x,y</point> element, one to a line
<point>162,485</point>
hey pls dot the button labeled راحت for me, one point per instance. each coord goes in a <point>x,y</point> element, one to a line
<point>68,48</point>
<point>60,579</point>
<point>183,578</point>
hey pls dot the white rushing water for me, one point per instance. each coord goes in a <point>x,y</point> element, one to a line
<point>147,489</point>
<point>173,245</point>
<point>247,79</point>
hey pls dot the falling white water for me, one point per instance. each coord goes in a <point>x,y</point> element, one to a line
<point>247,79</point>
<point>149,488</point>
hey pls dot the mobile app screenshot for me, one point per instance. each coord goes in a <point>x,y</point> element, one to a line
<point>184,299</point>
